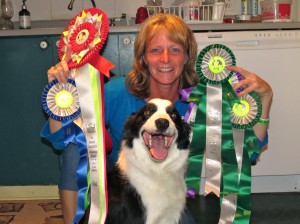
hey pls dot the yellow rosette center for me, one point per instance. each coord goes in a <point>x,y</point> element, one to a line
<point>241,109</point>
<point>64,99</point>
<point>82,36</point>
<point>216,64</point>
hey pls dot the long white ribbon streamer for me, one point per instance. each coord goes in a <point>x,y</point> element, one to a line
<point>238,137</point>
<point>213,167</point>
<point>228,208</point>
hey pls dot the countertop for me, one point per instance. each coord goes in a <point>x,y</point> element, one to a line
<point>56,27</point>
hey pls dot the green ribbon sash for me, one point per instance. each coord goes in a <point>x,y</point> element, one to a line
<point>222,135</point>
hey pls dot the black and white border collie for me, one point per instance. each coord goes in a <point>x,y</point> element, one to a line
<point>147,185</point>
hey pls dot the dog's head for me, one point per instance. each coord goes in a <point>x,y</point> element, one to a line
<point>156,134</point>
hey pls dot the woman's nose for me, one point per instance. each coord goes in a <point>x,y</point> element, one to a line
<point>165,57</point>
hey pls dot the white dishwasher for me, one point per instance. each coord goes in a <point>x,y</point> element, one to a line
<point>275,56</point>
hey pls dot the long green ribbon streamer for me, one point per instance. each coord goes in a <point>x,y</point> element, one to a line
<point>244,200</point>
<point>193,176</point>
<point>243,211</point>
<point>229,162</point>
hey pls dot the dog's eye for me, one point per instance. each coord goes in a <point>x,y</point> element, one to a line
<point>147,113</point>
<point>173,116</point>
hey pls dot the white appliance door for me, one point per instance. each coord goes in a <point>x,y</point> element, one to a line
<point>275,57</point>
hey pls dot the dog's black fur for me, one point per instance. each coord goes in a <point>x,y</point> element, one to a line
<point>161,198</point>
<point>126,204</point>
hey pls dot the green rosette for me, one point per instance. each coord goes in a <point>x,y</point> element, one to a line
<point>212,61</point>
<point>247,112</point>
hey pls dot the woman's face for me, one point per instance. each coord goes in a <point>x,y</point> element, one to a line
<point>165,59</point>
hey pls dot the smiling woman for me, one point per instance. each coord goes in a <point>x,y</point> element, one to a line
<point>165,51</point>
<point>165,60</point>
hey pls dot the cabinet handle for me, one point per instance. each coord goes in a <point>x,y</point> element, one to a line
<point>126,41</point>
<point>43,44</point>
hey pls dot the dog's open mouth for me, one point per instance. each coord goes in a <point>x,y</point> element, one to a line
<point>158,144</point>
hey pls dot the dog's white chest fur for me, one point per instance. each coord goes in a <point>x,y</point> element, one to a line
<point>163,191</point>
<point>160,184</point>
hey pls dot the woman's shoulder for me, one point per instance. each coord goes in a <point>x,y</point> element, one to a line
<point>116,88</point>
<point>119,103</point>
<point>115,83</point>
<point>115,91</point>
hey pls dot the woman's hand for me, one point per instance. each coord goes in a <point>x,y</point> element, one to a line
<point>60,71</point>
<point>251,82</point>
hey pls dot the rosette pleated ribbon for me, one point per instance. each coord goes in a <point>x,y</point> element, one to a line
<point>80,45</point>
<point>223,140</point>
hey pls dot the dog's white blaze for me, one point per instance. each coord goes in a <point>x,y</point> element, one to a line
<point>160,184</point>
<point>160,113</point>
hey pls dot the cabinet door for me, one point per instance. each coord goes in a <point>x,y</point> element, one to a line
<point>25,157</point>
<point>126,48</point>
<point>110,51</point>
<point>119,49</point>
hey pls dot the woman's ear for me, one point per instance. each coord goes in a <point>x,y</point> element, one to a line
<point>186,58</point>
<point>143,59</point>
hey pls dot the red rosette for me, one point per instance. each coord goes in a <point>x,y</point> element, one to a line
<point>85,34</point>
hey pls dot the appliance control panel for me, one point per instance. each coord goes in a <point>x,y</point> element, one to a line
<point>277,35</point>
<point>251,35</point>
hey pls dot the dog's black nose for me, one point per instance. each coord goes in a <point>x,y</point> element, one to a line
<point>162,124</point>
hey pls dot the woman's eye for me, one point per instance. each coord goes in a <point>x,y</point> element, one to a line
<point>155,51</point>
<point>174,50</point>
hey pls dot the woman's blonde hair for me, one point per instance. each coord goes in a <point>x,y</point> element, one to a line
<point>137,81</point>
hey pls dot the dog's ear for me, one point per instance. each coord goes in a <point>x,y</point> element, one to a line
<point>130,131</point>
<point>183,140</point>
<point>184,131</point>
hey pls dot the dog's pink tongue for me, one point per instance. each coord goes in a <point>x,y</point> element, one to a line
<point>158,150</point>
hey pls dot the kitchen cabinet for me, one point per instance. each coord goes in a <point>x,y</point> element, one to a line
<point>26,158</point>
<point>126,51</point>
<point>119,50</point>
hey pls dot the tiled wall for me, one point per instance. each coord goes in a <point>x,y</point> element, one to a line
<point>58,9</point>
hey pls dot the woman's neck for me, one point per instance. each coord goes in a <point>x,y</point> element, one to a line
<point>168,92</point>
